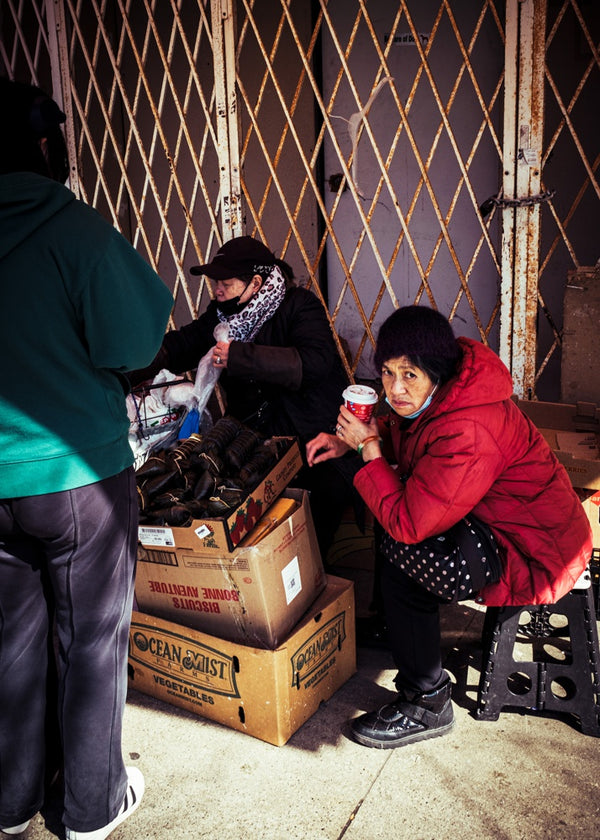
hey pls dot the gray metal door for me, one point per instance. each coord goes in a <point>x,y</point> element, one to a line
<point>439,151</point>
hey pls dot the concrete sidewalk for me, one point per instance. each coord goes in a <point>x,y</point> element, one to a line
<point>524,777</point>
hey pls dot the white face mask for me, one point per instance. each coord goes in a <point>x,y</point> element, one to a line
<point>419,411</point>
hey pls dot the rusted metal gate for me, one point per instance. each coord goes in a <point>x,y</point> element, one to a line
<point>439,151</point>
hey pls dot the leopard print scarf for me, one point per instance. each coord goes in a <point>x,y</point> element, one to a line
<point>244,325</point>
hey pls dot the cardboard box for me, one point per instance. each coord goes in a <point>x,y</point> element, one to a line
<point>223,533</point>
<point>573,433</point>
<point>266,693</point>
<point>253,595</point>
<point>591,504</point>
<point>279,510</point>
<point>581,337</point>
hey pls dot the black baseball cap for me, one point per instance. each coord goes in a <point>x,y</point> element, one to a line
<point>239,256</point>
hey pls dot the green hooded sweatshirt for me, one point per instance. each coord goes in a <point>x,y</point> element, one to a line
<point>78,307</point>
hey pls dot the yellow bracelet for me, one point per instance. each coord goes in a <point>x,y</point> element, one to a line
<point>363,443</point>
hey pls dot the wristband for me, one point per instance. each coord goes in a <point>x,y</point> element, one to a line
<point>363,443</point>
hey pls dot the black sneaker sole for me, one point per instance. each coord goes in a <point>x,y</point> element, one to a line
<point>409,738</point>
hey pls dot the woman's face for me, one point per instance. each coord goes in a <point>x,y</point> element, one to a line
<point>228,289</point>
<point>406,386</point>
<point>234,287</point>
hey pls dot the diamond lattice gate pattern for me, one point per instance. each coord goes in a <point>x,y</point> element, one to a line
<point>367,142</point>
<point>405,106</point>
<point>570,162</point>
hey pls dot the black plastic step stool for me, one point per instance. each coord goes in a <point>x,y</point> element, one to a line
<point>529,684</point>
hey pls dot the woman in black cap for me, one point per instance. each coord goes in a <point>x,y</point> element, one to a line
<point>281,371</point>
<point>475,506</point>
<point>280,368</point>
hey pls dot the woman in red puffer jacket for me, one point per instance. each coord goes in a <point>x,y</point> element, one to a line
<point>470,500</point>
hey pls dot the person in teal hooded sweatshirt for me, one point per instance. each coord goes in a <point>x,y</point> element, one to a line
<point>78,308</point>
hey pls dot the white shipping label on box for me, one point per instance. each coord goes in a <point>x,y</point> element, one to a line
<point>202,532</point>
<point>156,536</point>
<point>292,582</point>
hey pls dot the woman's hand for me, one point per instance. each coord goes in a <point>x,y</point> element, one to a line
<point>352,430</point>
<point>220,354</point>
<point>350,433</point>
<point>355,432</point>
<point>324,447</point>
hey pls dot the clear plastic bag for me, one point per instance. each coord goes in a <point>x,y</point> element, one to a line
<point>156,413</point>
<point>207,375</point>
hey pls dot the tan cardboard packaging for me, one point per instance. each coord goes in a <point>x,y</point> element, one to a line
<point>573,433</point>
<point>253,595</point>
<point>591,504</point>
<point>265,693</point>
<point>223,533</point>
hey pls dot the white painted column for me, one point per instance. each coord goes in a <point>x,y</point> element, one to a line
<point>522,154</point>
<point>227,115</point>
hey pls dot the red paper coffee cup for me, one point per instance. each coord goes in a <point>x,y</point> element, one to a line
<point>360,400</point>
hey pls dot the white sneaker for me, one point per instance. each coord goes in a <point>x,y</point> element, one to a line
<point>16,829</point>
<point>133,797</point>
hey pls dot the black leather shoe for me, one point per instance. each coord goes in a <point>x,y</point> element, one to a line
<point>372,632</point>
<point>411,717</point>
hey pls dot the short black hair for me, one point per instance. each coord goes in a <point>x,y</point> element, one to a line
<point>424,336</point>
<point>28,116</point>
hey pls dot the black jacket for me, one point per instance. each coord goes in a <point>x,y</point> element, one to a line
<point>288,381</point>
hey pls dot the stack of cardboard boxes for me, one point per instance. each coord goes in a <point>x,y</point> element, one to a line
<point>236,620</point>
<point>573,433</point>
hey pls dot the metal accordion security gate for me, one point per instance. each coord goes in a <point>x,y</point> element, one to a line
<point>442,152</point>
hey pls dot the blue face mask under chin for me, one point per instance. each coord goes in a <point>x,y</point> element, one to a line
<point>419,411</point>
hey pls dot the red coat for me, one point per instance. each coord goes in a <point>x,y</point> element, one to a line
<point>474,451</point>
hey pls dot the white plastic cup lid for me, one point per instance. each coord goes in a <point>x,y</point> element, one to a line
<point>361,394</point>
